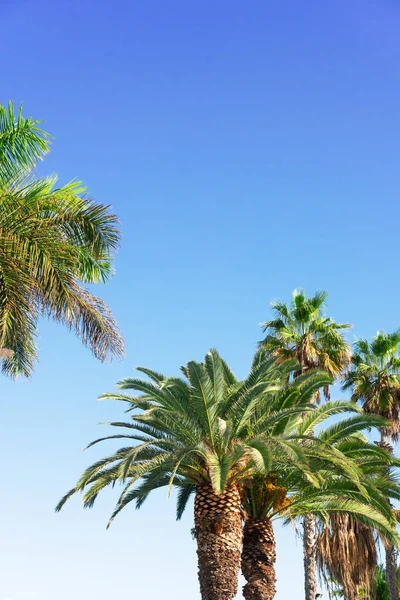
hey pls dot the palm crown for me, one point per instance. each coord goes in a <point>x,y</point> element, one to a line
<point>361,488</point>
<point>52,239</point>
<point>207,429</point>
<point>300,330</point>
<point>212,429</point>
<point>374,378</point>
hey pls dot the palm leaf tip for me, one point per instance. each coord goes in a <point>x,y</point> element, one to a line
<point>64,499</point>
<point>53,240</point>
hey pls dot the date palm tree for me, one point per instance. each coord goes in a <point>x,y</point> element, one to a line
<point>287,494</point>
<point>193,434</point>
<point>346,545</point>
<point>53,241</point>
<point>374,380</point>
<point>301,330</point>
<point>209,435</point>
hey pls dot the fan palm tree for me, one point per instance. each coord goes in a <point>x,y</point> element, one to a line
<point>52,240</point>
<point>374,380</point>
<point>209,434</point>
<point>300,330</point>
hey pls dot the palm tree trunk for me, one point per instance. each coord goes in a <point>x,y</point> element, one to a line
<point>391,571</point>
<point>390,550</point>
<point>218,527</point>
<point>310,557</point>
<point>258,560</point>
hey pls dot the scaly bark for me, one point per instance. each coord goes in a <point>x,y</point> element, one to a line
<point>258,560</point>
<point>390,550</point>
<point>218,527</point>
<point>391,571</point>
<point>310,557</point>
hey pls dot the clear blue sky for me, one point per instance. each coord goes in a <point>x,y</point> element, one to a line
<point>249,148</point>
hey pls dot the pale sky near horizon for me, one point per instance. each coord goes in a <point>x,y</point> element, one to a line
<point>249,148</point>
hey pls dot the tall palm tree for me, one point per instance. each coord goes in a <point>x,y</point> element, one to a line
<point>300,330</point>
<point>374,379</point>
<point>209,435</point>
<point>193,434</point>
<point>347,545</point>
<point>52,240</point>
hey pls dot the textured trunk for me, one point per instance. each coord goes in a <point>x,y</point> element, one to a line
<point>258,560</point>
<point>310,557</point>
<point>218,527</point>
<point>390,550</point>
<point>391,571</point>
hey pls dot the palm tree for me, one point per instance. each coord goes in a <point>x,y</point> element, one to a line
<point>210,435</point>
<point>193,435</point>
<point>52,240</point>
<point>287,494</point>
<point>374,380</point>
<point>346,545</point>
<point>300,330</point>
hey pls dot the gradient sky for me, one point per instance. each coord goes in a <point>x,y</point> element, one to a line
<point>249,148</point>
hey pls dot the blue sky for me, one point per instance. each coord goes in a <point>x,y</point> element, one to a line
<point>249,148</point>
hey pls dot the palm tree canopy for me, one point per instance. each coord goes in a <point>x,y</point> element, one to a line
<point>374,378</point>
<point>300,330</point>
<point>22,143</point>
<point>210,428</point>
<point>287,494</point>
<point>52,240</point>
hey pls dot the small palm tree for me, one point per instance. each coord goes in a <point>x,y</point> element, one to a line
<point>52,240</point>
<point>374,379</point>
<point>301,331</point>
<point>287,494</point>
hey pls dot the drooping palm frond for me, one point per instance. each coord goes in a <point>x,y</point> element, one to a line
<point>347,552</point>
<point>52,240</point>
